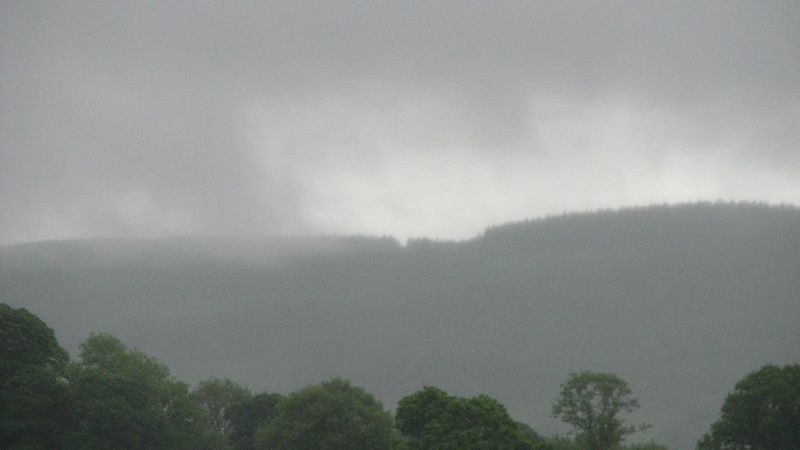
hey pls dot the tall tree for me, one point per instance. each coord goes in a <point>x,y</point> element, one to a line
<point>330,415</point>
<point>123,398</point>
<point>431,419</point>
<point>762,412</point>
<point>591,403</point>
<point>32,390</point>
<point>245,418</point>
<point>216,397</point>
<point>27,342</point>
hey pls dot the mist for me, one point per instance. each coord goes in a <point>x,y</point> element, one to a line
<point>412,120</point>
<point>458,194</point>
<point>680,301</point>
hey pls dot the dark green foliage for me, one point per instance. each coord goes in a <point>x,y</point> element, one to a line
<point>215,397</point>
<point>121,398</point>
<point>559,442</point>
<point>245,418</point>
<point>418,413</point>
<point>26,341</point>
<point>762,412</point>
<point>645,446</point>
<point>330,415</point>
<point>527,430</point>
<point>591,403</point>
<point>33,405</point>
<point>431,419</point>
<point>32,391</point>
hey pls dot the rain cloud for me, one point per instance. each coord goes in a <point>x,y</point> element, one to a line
<point>402,118</point>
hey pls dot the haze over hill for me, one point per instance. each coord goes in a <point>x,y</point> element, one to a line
<point>681,301</point>
<point>409,118</point>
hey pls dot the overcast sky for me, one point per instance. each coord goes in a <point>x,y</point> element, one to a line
<point>407,118</point>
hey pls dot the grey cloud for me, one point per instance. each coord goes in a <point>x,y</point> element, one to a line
<point>102,99</point>
<point>674,47</point>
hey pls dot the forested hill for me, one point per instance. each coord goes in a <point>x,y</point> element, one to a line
<point>681,301</point>
<point>658,228</point>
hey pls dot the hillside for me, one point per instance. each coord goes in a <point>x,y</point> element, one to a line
<point>681,301</point>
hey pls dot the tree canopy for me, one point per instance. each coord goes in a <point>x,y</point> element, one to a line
<point>762,412</point>
<point>32,391</point>
<point>247,416</point>
<point>591,403</point>
<point>27,342</point>
<point>122,398</point>
<point>330,415</point>
<point>118,397</point>
<point>216,397</point>
<point>430,418</point>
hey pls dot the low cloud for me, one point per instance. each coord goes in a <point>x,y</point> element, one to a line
<point>408,119</point>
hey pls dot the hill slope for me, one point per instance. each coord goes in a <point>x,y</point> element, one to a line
<point>680,301</point>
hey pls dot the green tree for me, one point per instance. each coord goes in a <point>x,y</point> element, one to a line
<point>32,389</point>
<point>27,342</point>
<point>419,415</point>
<point>559,442</point>
<point>215,397</point>
<point>646,446</point>
<point>527,430</point>
<point>123,398</point>
<point>245,417</point>
<point>591,403</point>
<point>330,415</point>
<point>430,419</point>
<point>762,412</point>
